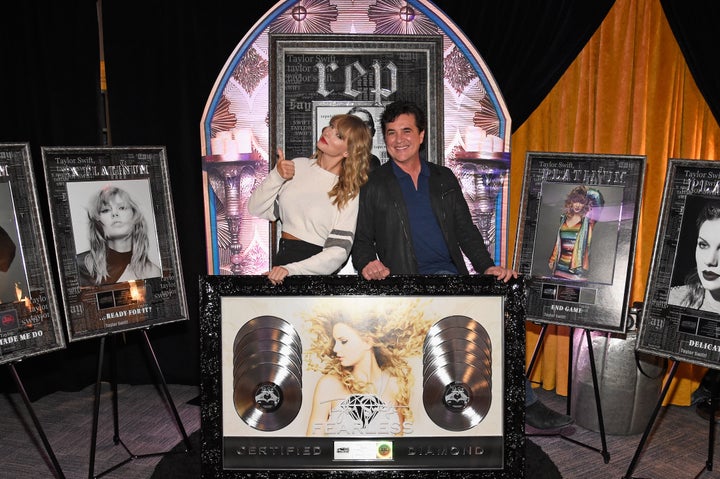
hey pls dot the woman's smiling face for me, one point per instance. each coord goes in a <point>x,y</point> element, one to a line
<point>707,253</point>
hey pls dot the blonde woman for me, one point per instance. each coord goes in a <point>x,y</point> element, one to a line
<point>316,199</point>
<point>366,382</point>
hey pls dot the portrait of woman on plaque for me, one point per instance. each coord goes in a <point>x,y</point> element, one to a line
<point>366,378</point>
<point>698,287</point>
<point>13,280</point>
<point>577,229</point>
<point>119,232</point>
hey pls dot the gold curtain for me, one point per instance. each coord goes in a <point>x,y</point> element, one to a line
<point>628,92</point>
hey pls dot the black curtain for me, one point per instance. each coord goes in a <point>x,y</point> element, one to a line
<point>162,59</point>
<point>695,24</point>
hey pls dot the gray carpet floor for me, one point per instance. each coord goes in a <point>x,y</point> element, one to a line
<point>676,449</point>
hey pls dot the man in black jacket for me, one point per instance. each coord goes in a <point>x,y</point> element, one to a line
<point>413,219</point>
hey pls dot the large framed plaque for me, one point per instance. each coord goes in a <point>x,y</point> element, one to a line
<point>30,321</point>
<point>115,238</point>
<point>576,237</point>
<point>316,76</point>
<point>334,373</point>
<point>681,314</point>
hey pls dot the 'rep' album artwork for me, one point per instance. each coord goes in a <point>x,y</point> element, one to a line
<point>346,379</point>
<point>116,246</point>
<point>681,315</point>
<point>576,238</point>
<point>29,318</point>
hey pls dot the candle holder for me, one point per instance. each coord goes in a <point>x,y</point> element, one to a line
<point>238,174</point>
<point>482,181</point>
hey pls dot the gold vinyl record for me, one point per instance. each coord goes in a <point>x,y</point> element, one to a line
<point>457,396</point>
<point>267,398</point>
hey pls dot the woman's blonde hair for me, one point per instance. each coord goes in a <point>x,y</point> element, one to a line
<point>355,166</point>
<point>397,333</point>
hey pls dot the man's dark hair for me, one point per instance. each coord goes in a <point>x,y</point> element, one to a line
<point>401,107</point>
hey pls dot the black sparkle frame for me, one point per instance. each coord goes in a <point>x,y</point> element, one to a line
<point>215,289</point>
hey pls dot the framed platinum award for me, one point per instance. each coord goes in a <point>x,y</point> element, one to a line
<point>335,373</point>
<point>576,237</point>
<point>115,238</point>
<point>681,315</point>
<point>30,321</point>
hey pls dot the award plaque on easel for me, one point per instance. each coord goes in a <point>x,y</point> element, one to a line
<point>115,238</point>
<point>29,318</point>
<point>576,237</point>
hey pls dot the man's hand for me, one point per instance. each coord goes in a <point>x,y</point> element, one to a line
<point>285,168</point>
<point>501,273</point>
<point>375,270</point>
<point>277,274</point>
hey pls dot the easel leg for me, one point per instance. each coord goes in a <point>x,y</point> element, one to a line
<point>96,409</point>
<point>663,393</point>
<point>536,351</point>
<point>57,471</point>
<point>593,370</point>
<point>115,408</point>
<point>166,391</point>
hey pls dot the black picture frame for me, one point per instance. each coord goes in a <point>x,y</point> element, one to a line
<point>310,74</point>
<point>30,322</point>
<point>235,439</point>
<point>593,293</point>
<point>674,325</point>
<point>147,295</point>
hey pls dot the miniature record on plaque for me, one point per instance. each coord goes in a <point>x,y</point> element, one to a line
<point>576,237</point>
<point>116,246</point>
<point>681,315</point>
<point>359,376</point>
<point>30,321</point>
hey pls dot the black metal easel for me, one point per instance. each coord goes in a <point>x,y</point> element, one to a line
<point>116,428</point>
<point>56,469</point>
<point>601,425</point>
<point>651,422</point>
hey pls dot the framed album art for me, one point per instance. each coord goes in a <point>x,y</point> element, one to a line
<point>30,321</point>
<point>316,76</point>
<point>681,315</point>
<point>335,373</point>
<point>576,237</point>
<point>115,238</point>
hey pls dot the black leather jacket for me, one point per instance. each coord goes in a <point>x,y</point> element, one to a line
<point>383,227</point>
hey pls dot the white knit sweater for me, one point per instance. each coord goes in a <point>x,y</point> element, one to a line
<point>306,211</point>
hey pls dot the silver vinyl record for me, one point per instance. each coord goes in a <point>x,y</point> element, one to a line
<point>268,358</point>
<point>269,322</point>
<point>267,398</point>
<point>482,363</point>
<point>456,322</point>
<point>432,342</point>
<point>457,396</point>
<point>248,340</point>
<point>456,345</point>
<point>267,345</point>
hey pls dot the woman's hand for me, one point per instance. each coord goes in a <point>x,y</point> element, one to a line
<point>285,168</point>
<point>277,274</point>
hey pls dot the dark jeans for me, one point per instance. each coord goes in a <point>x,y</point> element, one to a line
<point>291,251</point>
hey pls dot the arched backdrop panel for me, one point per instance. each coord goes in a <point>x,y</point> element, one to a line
<point>236,135</point>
